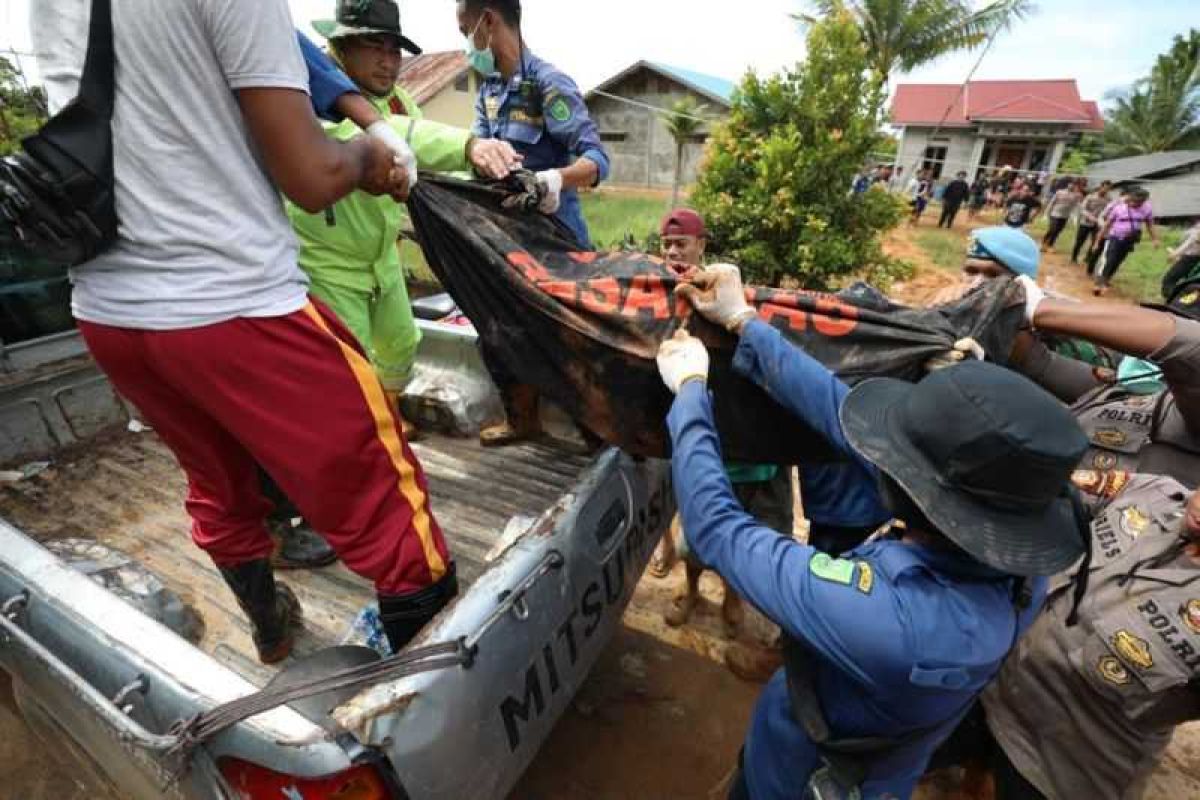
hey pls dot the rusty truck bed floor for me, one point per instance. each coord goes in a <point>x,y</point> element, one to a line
<point>127,492</point>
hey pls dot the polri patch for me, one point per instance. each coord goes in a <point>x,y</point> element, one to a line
<point>834,570</point>
<point>560,110</point>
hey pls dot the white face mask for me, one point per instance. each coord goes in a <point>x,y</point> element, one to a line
<point>482,61</point>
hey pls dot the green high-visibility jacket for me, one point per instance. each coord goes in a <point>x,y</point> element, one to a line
<point>353,245</point>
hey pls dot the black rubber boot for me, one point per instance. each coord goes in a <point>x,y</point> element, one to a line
<point>273,610</point>
<point>298,546</point>
<point>404,616</point>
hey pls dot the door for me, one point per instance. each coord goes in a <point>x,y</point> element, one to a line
<point>1010,156</point>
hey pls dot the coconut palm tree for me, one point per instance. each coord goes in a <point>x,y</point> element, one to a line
<point>900,35</point>
<point>684,120</point>
<point>1162,111</point>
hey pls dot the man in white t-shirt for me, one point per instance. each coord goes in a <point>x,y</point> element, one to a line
<point>200,315</point>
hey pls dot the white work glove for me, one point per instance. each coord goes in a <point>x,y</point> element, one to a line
<point>963,350</point>
<point>1033,296</point>
<point>552,181</point>
<point>405,157</point>
<point>682,358</point>
<point>717,293</point>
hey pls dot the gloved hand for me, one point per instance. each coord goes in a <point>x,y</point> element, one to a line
<point>717,293</point>
<point>493,158</point>
<point>963,350</point>
<point>405,157</point>
<point>551,182</point>
<point>682,358</point>
<point>1033,296</point>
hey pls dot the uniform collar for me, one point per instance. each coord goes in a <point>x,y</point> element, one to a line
<point>529,64</point>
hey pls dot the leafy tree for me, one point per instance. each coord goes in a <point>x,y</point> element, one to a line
<point>901,35</point>
<point>684,120</point>
<point>775,186</point>
<point>22,110</point>
<point>1162,111</point>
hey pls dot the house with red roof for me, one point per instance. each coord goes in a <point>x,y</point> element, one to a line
<point>986,125</point>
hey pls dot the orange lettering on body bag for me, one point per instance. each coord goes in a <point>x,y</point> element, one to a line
<point>601,295</point>
<point>647,291</point>
<point>529,266</point>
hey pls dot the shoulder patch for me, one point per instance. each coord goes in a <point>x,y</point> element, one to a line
<point>560,110</point>
<point>866,577</point>
<point>827,568</point>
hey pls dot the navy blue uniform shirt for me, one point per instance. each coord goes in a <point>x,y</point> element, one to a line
<point>541,113</point>
<point>902,638</point>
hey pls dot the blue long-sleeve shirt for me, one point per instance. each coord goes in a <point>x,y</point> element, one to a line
<point>902,637</point>
<point>842,494</point>
<point>541,113</point>
<point>326,81</point>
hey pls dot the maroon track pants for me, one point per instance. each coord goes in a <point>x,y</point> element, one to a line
<point>295,394</point>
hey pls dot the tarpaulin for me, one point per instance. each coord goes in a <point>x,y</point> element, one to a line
<point>584,328</point>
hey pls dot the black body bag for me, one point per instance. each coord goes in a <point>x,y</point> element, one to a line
<point>56,197</point>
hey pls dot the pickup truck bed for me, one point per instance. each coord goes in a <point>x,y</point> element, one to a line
<point>127,492</point>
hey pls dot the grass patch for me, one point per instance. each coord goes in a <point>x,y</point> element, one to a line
<point>1141,275</point>
<point>612,216</point>
<point>944,248</point>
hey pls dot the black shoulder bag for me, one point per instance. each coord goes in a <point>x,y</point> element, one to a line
<point>57,197</point>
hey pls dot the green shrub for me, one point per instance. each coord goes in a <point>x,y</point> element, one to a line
<point>775,186</point>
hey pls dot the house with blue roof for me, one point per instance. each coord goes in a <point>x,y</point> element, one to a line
<point>628,109</point>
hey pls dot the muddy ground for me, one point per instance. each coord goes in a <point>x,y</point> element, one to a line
<point>660,716</point>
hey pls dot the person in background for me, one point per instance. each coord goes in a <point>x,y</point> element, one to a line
<point>918,191</point>
<point>952,200</point>
<point>1062,206</point>
<point>1124,224</point>
<point>537,108</point>
<point>883,177</point>
<point>896,180</point>
<point>864,180</point>
<point>1089,219</point>
<point>888,647</point>
<point>199,313</point>
<point>764,490</point>
<point>1023,207</point>
<point>1186,258</point>
<point>979,194</point>
<point>1133,424</point>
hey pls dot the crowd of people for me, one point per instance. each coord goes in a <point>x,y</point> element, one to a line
<point>999,568</point>
<point>1110,223</point>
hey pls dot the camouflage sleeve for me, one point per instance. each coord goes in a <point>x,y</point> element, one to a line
<point>1180,362</point>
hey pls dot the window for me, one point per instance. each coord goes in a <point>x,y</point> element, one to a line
<point>1037,161</point>
<point>35,298</point>
<point>935,159</point>
<point>463,82</point>
<point>613,136</point>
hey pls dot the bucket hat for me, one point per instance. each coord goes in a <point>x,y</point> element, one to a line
<point>985,454</point>
<point>365,18</point>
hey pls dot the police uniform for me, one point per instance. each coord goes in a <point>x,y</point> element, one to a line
<point>1148,433</point>
<point>897,639</point>
<point>541,113</point>
<point>1086,711</point>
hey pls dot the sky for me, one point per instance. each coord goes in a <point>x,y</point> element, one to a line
<point>1103,44</point>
